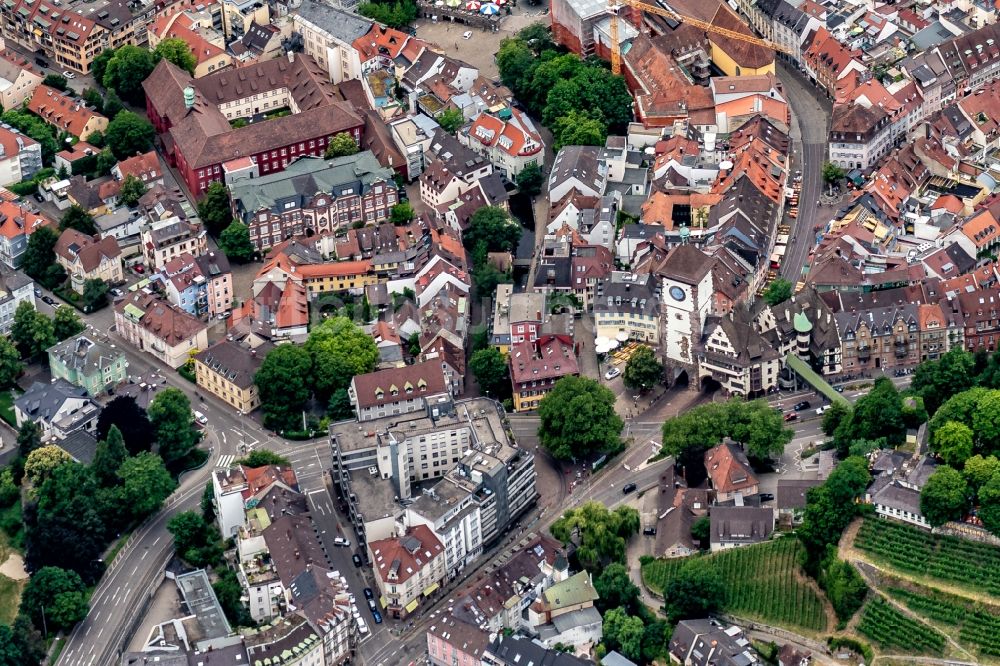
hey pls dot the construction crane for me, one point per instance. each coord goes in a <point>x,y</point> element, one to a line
<point>616,55</point>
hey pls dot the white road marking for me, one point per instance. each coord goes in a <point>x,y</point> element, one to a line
<point>225,461</point>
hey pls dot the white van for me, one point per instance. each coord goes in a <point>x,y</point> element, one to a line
<point>200,418</point>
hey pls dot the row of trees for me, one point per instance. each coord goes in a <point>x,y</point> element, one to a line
<point>322,368</point>
<point>125,68</point>
<point>234,236</point>
<point>581,101</point>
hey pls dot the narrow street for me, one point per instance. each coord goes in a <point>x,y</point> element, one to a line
<point>810,125</point>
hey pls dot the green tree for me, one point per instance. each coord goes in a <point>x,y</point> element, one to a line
<point>208,503</point>
<point>214,209</point>
<point>547,74</point>
<point>623,633</point>
<point>108,457</point>
<point>979,470</point>
<point>779,291</point>
<point>879,414</point>
<point>42,461</point>
<point>401,213</point>
<point>530,180</point>
<point>695,591</point>
<point>844,587</point>
<point>538,38</point>
<point>229,592</point>
<point>601,535</point>
<point>341,145</point>
<point>63,531</point>
<point>989,504</point>
<point>10,364</point>
<point>263,458</point>
<point>95,294</point>
<point>112,106</point>
<point>29,438</point>
<point>66,323</point>
<point>492,226</point>
<point>701,531</point>
<point>190,532</point>
<point>57,81</point>
<point>339,350</point>
<point>76,217</point>
<point>986,422</point>
<point>125,71</point>
<point>832,173</point>
<point>616,589</point>
<point>578,128</point>
<point>953,442</point>
<point>36,129</point>
<point>131,421</point>
<point>834,416</point>
<point>450,120</point>
<point>234,241</point>
<point>172,420</point>
<point>340,407</point>
<point>643,370</point>
<point>398,14</point>
<point>487,277</point>
<point>284,384</point>
<point>100,65</point>
<point>58,593</point>
<point>176,51</point>
<point>516,64</point>
<point>145,484</point>
<point>944,497</point>
<point>577,419</point>
<point>830,508</point>
<point>40,253</point>
<point>413,344</point>
<point>492,372</point>
<point>131,191</point>
<point>31,331</point>
<point>129,135</point>
<point>936,381</point>
<point>602,94</point>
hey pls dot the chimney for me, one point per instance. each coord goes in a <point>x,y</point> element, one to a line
<point>291,56</point>
<point>189,98</point>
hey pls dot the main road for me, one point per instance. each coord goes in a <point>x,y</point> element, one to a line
<point>811,123</point>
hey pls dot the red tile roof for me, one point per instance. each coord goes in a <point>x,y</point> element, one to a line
<point>399,558</point>
<point>549,357</point>
<point>729,469</point>
<point>15,220</point>
<point>420,379</point>
<point>65,112</point>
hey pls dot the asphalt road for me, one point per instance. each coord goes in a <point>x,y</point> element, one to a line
<point>811,113</point>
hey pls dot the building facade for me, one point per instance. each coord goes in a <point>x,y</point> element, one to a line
<point>88,363</point>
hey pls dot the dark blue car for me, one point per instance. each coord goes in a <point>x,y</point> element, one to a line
<point>377,616</point>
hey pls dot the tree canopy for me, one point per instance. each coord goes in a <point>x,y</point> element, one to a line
<point>145,484</point>
<point>953,442</point>
<point>10,364</point>
<point>936,381</point>
<point>234,241</point>
<point>173,422</point>
<point>339,350</point>
<point>128,135</point>
<point>944,497</point>
<point>66,323</point>
<point>643,370</point>
<point>577,419</point>
<point>341,145</point>
<point>830,508</point>
<point>492,228</point>
<point>284,383</point>
<point>491,371</point>
<point>214,210</point>
<point>32,332</point>
<point>695,590</point>
<point>77,218</point>
<point>178,52</point>
<point>131,421</point>
<point>601,534</point>
<point>131,191</point>
<point>623,632</point>
<point>779,291</point>
<point>450,120</point>
<point>58,593</point>
<point>42,462</point>
<point>530,179</point>
<point>125,70</point>
<point>40,257</point>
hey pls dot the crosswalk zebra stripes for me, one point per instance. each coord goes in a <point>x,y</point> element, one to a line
<point>225,461</point>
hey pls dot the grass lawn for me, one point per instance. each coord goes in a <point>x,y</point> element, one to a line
<point>7,407</point>
<point>762,582</point>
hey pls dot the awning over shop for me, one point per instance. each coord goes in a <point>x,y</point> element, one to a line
<point>385,602</point>
<point>430,590</point>
<point>412,606</point>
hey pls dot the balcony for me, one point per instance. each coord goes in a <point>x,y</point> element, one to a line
<point>864,353</point>
<point>902,349</point>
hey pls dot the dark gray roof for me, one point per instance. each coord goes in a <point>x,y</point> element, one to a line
<point>233,362</point>
<point>792,492</point>
<point>742,524</point>
<point>623,292</point>
<point>706,642</point>
<point>580,162</point>
<point>458,159</point>
<point>81,445</point>
<point>518,650</point>
<point>42,401</point>
<point>84,354</point>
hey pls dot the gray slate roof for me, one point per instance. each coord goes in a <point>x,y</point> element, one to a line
<point>42,401</point>
<point>306,177</point>
<point>343,25</point>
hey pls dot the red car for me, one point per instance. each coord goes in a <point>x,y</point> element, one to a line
<point>139,269</point>
<point>791,416</point>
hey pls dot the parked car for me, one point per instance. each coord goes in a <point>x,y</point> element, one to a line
<point>41,62</point>
<point>612,373</point>
<point>48,300</point>
<point>467,34</point>
<point>138,268</point>
<point>38,292</point>
<point>791,416</point>
<point>38,197</point>
<point>369,594</point>
<point>766,497</point>
<point>200,418</point>
<point>800,406</point>
<point>628,488</point>
<point>371,606</point>
<point>820,410</point>
<point>68,74</point>
<point>377,616</point>
<point>341,541</point>
<point>356,559</point>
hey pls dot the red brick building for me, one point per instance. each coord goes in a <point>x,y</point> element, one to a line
<point>193,116</point>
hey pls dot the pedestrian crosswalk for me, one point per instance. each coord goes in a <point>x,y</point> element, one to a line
<point>225,461</point>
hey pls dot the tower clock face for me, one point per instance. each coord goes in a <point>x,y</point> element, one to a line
<point>677,293</point>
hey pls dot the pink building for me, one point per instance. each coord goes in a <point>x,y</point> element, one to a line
<point>452,642</point>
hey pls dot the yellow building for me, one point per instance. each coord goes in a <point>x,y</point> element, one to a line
<point>733,56</point>
<point>226,370</point>
<point>337,276</point>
